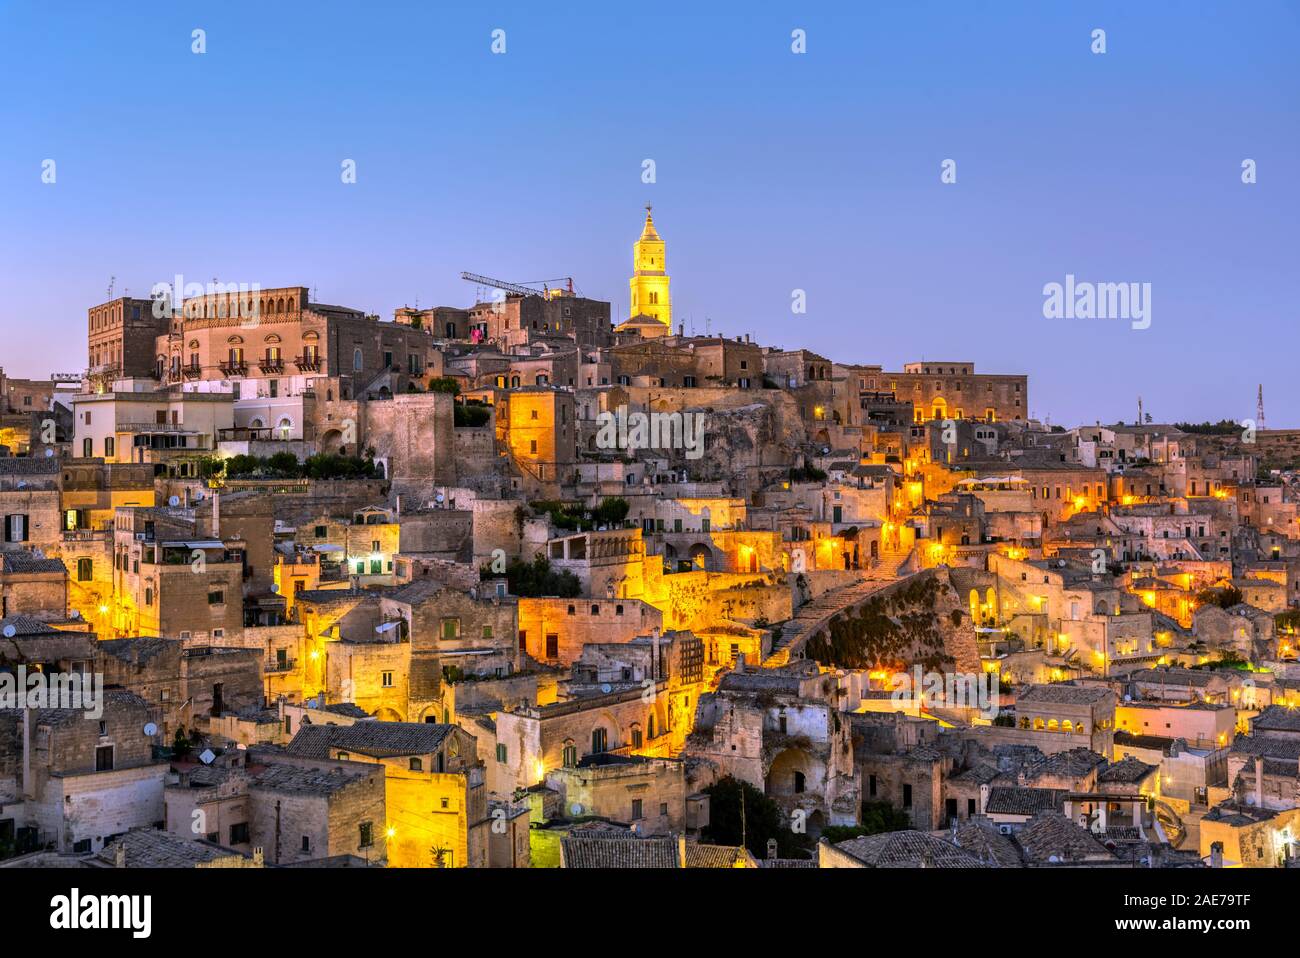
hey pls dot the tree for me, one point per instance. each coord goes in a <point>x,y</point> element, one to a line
<point>534,579</point>
<point>611,511</point>
<point>736,807</point>
<point>181,747</point>
<point>444,384</point>
<point>1225,597</point>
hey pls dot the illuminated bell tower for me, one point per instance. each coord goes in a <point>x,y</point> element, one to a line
<point>649,282</point>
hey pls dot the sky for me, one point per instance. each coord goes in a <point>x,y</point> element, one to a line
<point>774,171</point>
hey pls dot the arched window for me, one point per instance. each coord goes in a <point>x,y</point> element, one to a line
<point>1052,725</point>
<point>357,361</point>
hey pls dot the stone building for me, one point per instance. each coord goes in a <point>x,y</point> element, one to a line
<point>780,729</point>
<point>435,794</point>
<point>80,781</point>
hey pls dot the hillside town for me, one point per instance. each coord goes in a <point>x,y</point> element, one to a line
<point>289,584</point>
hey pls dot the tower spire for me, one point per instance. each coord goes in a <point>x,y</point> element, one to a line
<point>1259,407</point>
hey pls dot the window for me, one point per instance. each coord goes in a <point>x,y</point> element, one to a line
<point>108,447</point>
<point>637,809</point>
<point>451,628</point>
<point>502,753</point>
<point>417,764</point>
<point>85,570</point>
<point>306,843</point>
<point>217,597</point>
<point>16,527</point>
<point>570,754</point>
<point>799,782</point>
<point>239,834</point>
<point>366,838</point>
<point>599,740</point>
<point>387,679</point>
<point>552,646</point>
<point>907,796</point>
<point>104,758</point>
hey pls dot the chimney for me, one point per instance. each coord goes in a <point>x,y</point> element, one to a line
<point>119,855</point>
<point>681,850</point>
<point>216,514</point>
<point>740,664</point>
<point>771,849</point>
<point>399,504</point>
<point>1216,855</point>
<point>1259,781</point>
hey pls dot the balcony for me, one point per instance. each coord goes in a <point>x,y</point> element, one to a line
<point>271,366</point>
<point>234,368</point>
<point>192,371</point>
<point>307,364</point>
<point>276,666</point>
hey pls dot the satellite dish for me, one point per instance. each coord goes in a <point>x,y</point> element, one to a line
<point>207,756</point>
<point>275,587</point>
<point>10,631</point>
<point>150,729</point>
<point>439,498</point>
<point>48,453</point>
<point>174,501</point>
<point>575,808</point>
<point>603,688</point>
<point>826,450</point>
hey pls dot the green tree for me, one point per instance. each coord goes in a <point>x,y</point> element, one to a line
<point>737,808</point>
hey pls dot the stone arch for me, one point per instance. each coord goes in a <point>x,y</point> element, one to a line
<point>702,557</point>
<point>386,714</point>
<point>332,441</point>
<point>791,773</point>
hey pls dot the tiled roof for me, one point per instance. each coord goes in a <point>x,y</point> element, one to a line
<point>150,848</point>
<point>1128,770</point>
<point>611,852</point>
<point>305,780</point>
<point>1062,694</point>
<point>1277,718</point>
<point>1072,763</point>
<point>1019,800</point>
<point>981,838</point>
<point>1049,837</point>
<point>908,849</point>
<point>718,856</point>
<point>376,739</point>
<point>29,562</point>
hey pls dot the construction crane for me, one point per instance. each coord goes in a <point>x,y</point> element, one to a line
<point>519,289</point>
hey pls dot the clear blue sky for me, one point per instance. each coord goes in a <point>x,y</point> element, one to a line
<point>775,171</point>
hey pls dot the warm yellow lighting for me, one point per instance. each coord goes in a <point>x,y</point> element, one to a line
<point>391,831</point>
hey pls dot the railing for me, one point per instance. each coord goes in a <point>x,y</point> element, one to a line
<point>287,665</point>
<point>234,369</point>
<point>271,365</point>
<point>307,363</point>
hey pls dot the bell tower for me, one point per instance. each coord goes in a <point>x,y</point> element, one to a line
<point>649,283</point>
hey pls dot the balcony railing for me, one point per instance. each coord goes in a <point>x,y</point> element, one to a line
<point>239,368</point>
<point>276,665</point>
<point>271,365</point>
<point>307,363</point>
<point>192,371</point>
